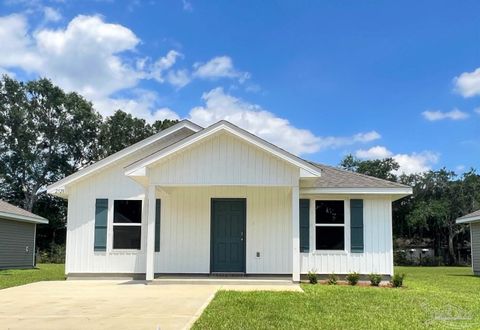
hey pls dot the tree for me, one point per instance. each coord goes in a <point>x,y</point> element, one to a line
<point>45,134</point>
<point>380,168</point>
<point>122,130</point>
<point>438,199</point>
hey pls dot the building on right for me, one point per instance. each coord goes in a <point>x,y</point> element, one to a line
<point>474,220</point>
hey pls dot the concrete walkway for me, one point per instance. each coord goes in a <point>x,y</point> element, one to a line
<point>110,304</point>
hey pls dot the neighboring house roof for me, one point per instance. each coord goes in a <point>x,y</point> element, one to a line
<point>472,217</point>
<point>11,212</point>
<point>138,168</point>
<point>59,186</point>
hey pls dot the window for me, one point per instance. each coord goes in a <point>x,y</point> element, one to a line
<point>329,225</point>
<point>127,224</point>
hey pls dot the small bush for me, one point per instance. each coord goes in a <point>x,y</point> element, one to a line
<point>400,258</point>
<point>332,279</point>
<point>375,279</point>
<point>55,254</point>
<point>353,278</point>
<point>397,280</point>
<point>312,277</point>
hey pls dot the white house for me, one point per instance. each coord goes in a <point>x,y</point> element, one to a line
<point>193,200</point>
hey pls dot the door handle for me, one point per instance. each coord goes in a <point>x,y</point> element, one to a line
<point>241,236</point>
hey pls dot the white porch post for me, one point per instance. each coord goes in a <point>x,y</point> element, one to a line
<point>295,234</point>
<point>149,253</point>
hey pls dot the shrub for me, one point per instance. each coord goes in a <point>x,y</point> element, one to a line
<point>353,278</point>
<point>312,277</point>
<point>400,258</point>
<point>332,279</point>
<point>375,279</point>
<point>55,254</point>
<point>397,280</point>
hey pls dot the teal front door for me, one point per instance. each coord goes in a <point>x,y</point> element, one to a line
<point>228,235</point>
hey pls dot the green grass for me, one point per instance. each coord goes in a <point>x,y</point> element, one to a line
<point>434,297</point>
<point>43,272</point>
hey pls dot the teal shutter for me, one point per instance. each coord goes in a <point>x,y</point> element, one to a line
<point>356,225</point>
<point>101,214</point>
<point>304,225</point>
<point>157,225</point>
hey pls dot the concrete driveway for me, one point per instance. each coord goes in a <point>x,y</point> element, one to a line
<point>107,304</point>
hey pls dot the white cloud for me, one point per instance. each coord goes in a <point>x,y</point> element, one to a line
<point>163,64</point>
<point>477,110</point>
<point>82,57</point>
<point>87,57</point>
<point>366,137</point>
<point>409,163</point>
<point>51,14</point>
<point>219,67</point>
<point>377,152</point>
<point>16,44</point>
<point>455,114</point>
<point>166,113</point>
<point>468,83</point>
<point>178,78</point>
<point>251,117</point>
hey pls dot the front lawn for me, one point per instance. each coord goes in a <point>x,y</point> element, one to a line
<point>43,272</point>
<point>434,297</point>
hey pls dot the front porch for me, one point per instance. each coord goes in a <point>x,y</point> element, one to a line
<point>180,239</point>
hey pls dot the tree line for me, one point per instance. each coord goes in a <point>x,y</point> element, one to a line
<point>47,134</point>
<point>427,217</point>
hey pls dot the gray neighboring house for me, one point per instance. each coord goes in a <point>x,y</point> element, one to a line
<point>474,220</point>
<point>17,236</point>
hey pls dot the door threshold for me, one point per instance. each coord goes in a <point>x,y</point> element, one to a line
<point>227,274</point>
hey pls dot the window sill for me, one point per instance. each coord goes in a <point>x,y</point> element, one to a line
<point>125,251</point>
<point>323,252</point>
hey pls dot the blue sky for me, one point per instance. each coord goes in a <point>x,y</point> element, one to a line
<point>321,79</point>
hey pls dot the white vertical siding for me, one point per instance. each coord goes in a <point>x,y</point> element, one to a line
<point>81,258</point>
<point>224,159</point>
<point>185,229</point>
<point>378,250</point>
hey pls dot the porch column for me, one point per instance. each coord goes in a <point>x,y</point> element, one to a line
<point>295,235</point>
<point>150,248</point>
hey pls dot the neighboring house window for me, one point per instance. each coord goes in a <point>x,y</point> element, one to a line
<point>329,225</point>
<point>127,224</point>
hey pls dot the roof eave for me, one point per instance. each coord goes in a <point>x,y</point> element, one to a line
<point>22,218</point>
<point>468,220</point>
<point>403,192</point>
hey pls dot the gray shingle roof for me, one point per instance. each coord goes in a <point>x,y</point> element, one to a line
<point>472,215</point>
<point>14,212</point>
<point>333,177</point>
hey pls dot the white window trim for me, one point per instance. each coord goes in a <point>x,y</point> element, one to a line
<point>346,225</point>
<point>111,203</point>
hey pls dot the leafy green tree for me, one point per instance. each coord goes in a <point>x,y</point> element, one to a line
<point>122,130</point>
<point>438,199</point>
<point>45,134</point>
<point>380,168</point>
<point>160,125</point>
